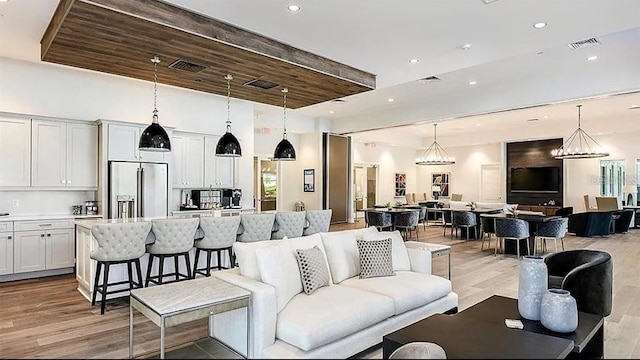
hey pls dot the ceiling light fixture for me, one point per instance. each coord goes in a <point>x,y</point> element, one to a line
<point>579,145</point>
<point>331,112</point>
<point>390,100</point>
<point>435,154</point>
<point>154,137</point>
<point>634,107</point>
<point>414,61</point>
<point>539,25</point>
<point>465,47</point>
<point>592,58</point>
<point>284,150</point>
<point>293,8</point>
<point>472,82</point>
<point>228,145</point>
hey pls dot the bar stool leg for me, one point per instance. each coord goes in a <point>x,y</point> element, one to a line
<point>104,287</point>
<point>195,263</point>
<point>186,258</point>
<point>160,269</point>
<point>149,266</point>
<point>96,283</point>
<point>137,261</point>
<point>176,266</point>
<point>208,262</point>
<point>219,256</point>
<point>130,273</point>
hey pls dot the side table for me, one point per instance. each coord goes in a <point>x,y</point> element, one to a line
<point>180,302</point>
<point>436,250</point>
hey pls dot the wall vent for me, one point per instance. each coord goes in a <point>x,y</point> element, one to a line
<point>429,79</point>
<point>187,66</point>
<point>583,43</point>
<point>260,84</point>
<point>338,101</point>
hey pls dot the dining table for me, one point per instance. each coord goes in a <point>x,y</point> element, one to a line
<point>530,217</point>
<point>478,211</point>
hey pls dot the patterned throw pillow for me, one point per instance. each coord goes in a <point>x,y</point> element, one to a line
<point>375,258</point>
<point>313,269</point>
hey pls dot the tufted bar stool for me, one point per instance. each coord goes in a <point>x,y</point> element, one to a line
<point>117,244</point>
<point>289,224</point>
<point>219,235</point>
<point>256,227</point>
<point>174,237</point>
<point>318,220</point>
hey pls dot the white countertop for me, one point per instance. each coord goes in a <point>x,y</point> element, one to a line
<point>88,223</point>
<point>46,217</point>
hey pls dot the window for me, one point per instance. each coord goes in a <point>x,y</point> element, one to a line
<point>612,178</point>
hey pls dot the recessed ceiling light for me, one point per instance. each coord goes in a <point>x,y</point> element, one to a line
<point>592,58</point>
<point>546,116</point>
<point>478,124</point>
<point>390,100</point>
<point>539,25</point>
<point>331,112</point>
<point>472,82</point>
<point>465,47</point>
<point>414,61</point>
<point>293,8</point>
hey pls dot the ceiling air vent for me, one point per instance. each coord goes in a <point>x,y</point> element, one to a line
<point>186,66</point>
<point>583,43</point>
<point>260,84</point>
<point>429,79</point>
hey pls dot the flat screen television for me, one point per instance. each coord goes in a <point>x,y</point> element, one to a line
<point>535,179</point>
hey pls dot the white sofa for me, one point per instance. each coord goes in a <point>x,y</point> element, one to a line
<point>336,321</point>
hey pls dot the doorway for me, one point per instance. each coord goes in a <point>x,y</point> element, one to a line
<point>265,184</point>
<point>365,187</point>
<point>491,183</point>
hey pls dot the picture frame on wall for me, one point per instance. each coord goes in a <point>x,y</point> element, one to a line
<point>440,183</point>
<point>401,184</point>
<point>309,180</point>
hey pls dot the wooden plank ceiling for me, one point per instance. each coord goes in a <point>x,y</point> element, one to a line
<point>121,36</point>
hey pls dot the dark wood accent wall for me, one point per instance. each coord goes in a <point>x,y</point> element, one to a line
<point>336,176</point>
<point>121,36</point>
<point>533,154</point>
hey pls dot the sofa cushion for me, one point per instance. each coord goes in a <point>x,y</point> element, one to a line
<point>279,268</point>
<point>359,233</point>
<point>399,250</point>
<point>375,258</point>
<point>408,289</point>
<point>246,256</point>
<point>314,271</point>
<point>342,254</point>
<point>330,314</point>
<point>307,242</point>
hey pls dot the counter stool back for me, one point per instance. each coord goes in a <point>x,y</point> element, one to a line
<point>174,237</point>
<point>219,235</point>
<point>117,244</point>
<point>318,220</point>
<point>289,224</point>
<point>256,227</point>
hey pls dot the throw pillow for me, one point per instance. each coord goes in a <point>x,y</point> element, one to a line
<point>309,241</point>
<point>313,269</point>
<point>399,252</point>
<point>375,258</point>
<point>278,268</point>
<point>246,256</point>
<point>342,254</point>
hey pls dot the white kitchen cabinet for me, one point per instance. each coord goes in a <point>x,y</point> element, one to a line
<point>6,253</point>
<point>219,171</point>
<point>83,265</point>
<point>15,147</point>
<point>188,160</point>
<point>64,154</point>
<point>123,141</point>
<point>59,249</point>
<point>29,251</point>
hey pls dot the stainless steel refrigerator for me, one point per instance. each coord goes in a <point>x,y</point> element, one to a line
<point>137,189</point>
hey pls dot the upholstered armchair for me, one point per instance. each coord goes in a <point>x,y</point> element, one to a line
<point>587,275</point>
<point>623,221</point>
<point>591,223</point>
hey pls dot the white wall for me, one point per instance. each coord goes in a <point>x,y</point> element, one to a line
<point>390,160</point>
<point>465,176</point>
<point>65,92</point>
<point>582,176</point>
<point>43,202</point>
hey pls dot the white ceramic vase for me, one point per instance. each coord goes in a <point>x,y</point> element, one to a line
<point>532,285</point>
<point>559,311</point>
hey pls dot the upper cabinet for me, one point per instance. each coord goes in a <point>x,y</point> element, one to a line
<point>64,154</point>
<point>188,160</point>
<point>219,172</point>
<point>123,145</point>
<point>15,147</point>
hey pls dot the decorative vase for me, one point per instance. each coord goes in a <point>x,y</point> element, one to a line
<point>559,311</point>
<point>532,286</point>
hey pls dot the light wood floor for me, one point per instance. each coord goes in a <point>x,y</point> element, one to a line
<point>48,318</point>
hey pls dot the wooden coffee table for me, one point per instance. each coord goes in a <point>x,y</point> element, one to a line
<point>480,332</point>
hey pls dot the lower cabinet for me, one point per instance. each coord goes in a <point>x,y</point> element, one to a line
<point>59,249</point>
<point>6,253</point>
<point>37,250</point>
<point>29,251</point>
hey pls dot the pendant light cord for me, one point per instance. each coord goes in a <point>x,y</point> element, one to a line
<point>229,78</point>
<point>155,62</point>
<point>285,91</point>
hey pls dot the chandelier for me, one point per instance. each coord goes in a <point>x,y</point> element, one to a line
<point>435,154</point>
<point>579,145</point>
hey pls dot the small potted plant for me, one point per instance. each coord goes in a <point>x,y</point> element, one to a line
<point>388,204</point>
<point>512,212</point>
<point>472,204</point>
<point>217,210</point>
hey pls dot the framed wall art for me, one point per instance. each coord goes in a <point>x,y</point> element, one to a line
<point>401,184</point>
<point>309,180</point>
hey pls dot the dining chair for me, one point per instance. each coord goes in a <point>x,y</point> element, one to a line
<point>407,221</point>
<point>381,220</point>
<point>465,219</point>
<point>447,220</point>
<point>456,197</point>
<point>553,229</point>
<point>488,226</point>
<point>587,204</point>
<point>512,229</point>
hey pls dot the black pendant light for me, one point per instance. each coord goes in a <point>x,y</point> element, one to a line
<point>284,150</point>
<point>154,137</point>
<point>228,145</point>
